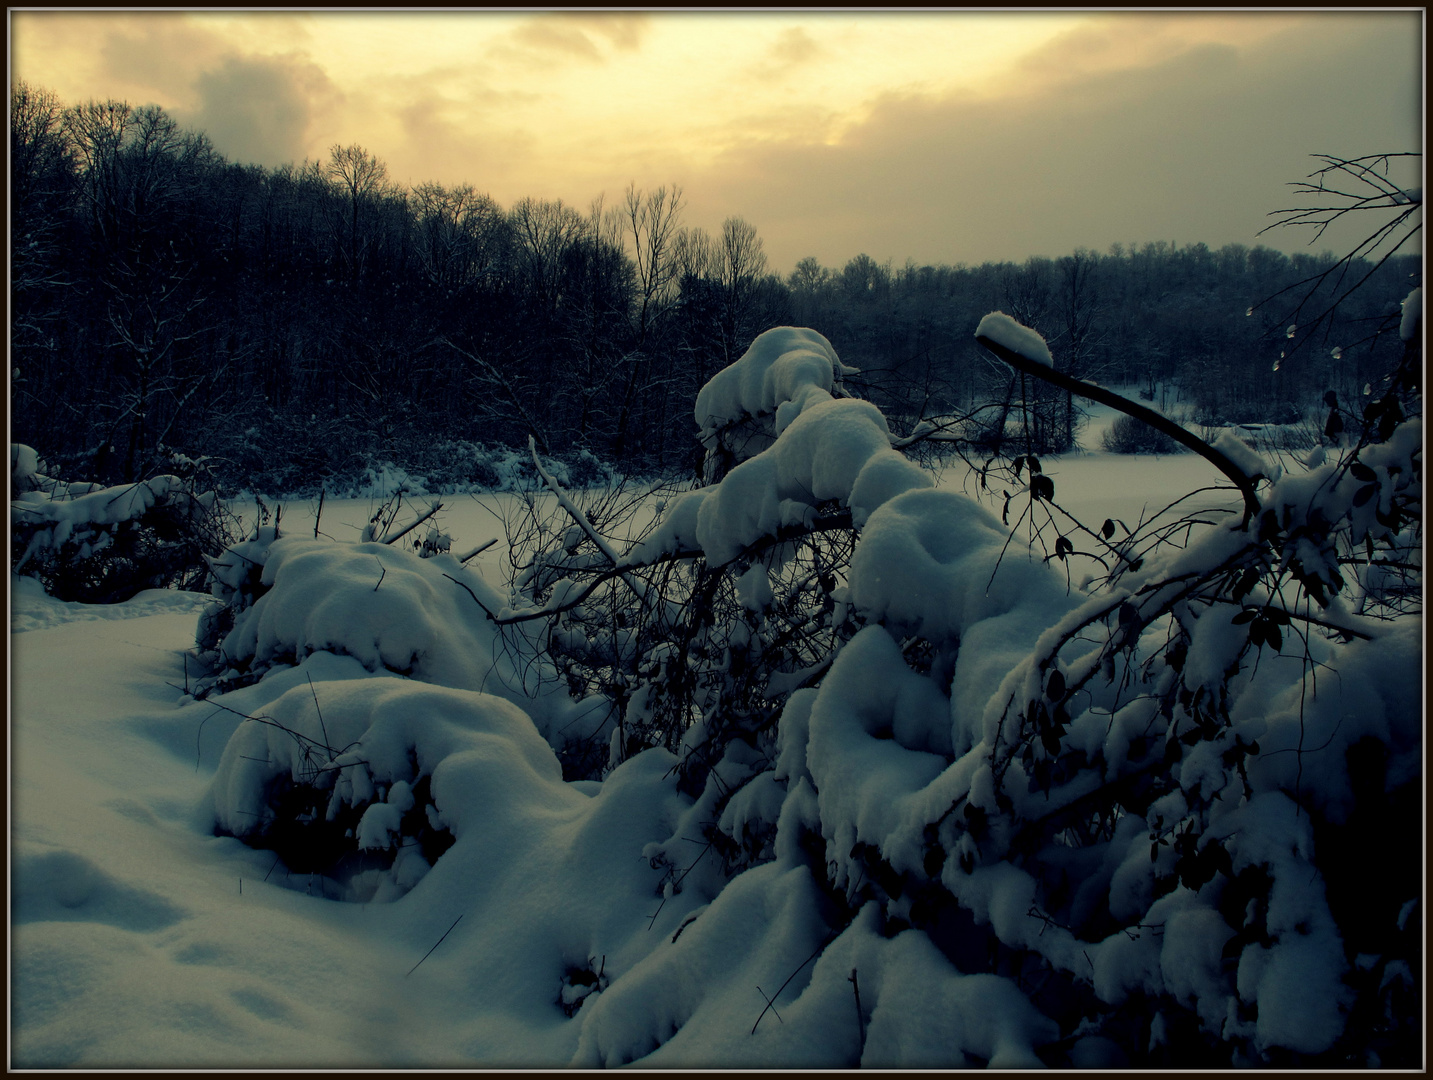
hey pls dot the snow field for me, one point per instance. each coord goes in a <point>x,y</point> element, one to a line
<point>385,674</point>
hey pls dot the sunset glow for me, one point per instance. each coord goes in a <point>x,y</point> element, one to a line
<point>736,106</point>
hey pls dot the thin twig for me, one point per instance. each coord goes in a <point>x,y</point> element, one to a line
<point>567,504</point>
<point>474,595</point>
<point>322,726</point>
<point>770,1002</point>
<point>435,945</point>
<point>860,1016</point>
<point>406,530</point>
<point>478,550</point>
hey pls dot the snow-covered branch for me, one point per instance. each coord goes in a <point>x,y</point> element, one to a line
<point>1040,368</point>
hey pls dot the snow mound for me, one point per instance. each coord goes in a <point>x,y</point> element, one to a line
<point>366,743</point>
<point>835,451</point>
<point>782,365</point>
<point>1412,317</point>
<point>928,563</point>
<point>394,612</point>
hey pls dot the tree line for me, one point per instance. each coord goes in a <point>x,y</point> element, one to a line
<point>1209,329</point>
<point>299,323</point>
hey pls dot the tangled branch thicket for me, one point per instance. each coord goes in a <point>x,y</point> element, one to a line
<point>102,545</point>
<point>1158,757</point>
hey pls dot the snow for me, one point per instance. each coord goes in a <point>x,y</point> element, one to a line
<point>60,512</point>
<point>866,782</point>
<point>1241,454</point>
<point>1003,330</point>
<point>24,463</point>
<point>1412,315</point>
<point>586,923</point>
<point>1190,963</point>
<point>929,562</point>
<point>781,364</point>
<point>832,450</point>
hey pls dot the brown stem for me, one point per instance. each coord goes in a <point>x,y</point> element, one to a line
<point>1217,458</point>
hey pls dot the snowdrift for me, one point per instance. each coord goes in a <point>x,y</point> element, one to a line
<point>1005,821</point>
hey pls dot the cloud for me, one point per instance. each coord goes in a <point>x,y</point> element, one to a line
<point>1194,143</point>
<point>1132,126</point>
<point>160,53</point>
<point>548,36</point>
<point>260,109</point>
<point>623,32</point>
<point>140,58</point>
<point>255,108</point>
<point>439,142</point>
<point>1133,40</point>
<point>582,37</point>
<point>794,48</point>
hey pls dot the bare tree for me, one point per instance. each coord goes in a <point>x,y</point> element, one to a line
<point>1078,308</point>
<point>143,180</point>
<point>39,155</point>
<point>543,229</point>
<point>42,177</point>
<point>362,180</point>
<point>741,264</point>
<point>650,220</point>
<point>458,233</point>
<point>649,223</point>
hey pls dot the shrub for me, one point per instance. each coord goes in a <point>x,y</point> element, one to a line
<point>1137,810</point>
<point>102,545</point>
<point>1130,436</point>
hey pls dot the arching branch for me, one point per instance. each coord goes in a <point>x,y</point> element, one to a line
<point>1217,458</point>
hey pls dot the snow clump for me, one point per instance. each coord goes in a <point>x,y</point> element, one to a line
<point>1003,330</point>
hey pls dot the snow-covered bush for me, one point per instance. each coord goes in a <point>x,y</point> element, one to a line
<point>97,544</point>
<point>1128,436</point>
<point>236,581</point>
<point>1147,798</point>
<point>338,778</point>
<point>1121,787</point>
<point>341,776</point>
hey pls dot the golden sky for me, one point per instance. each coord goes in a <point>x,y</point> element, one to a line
<point>941,136</point>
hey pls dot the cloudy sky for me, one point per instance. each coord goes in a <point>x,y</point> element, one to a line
<point>935,136</point>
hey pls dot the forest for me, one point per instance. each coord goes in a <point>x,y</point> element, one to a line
<point>295,326</point>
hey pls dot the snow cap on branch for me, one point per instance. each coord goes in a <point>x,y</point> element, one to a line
<point>1241,454</point>
<point>1003,330</point>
